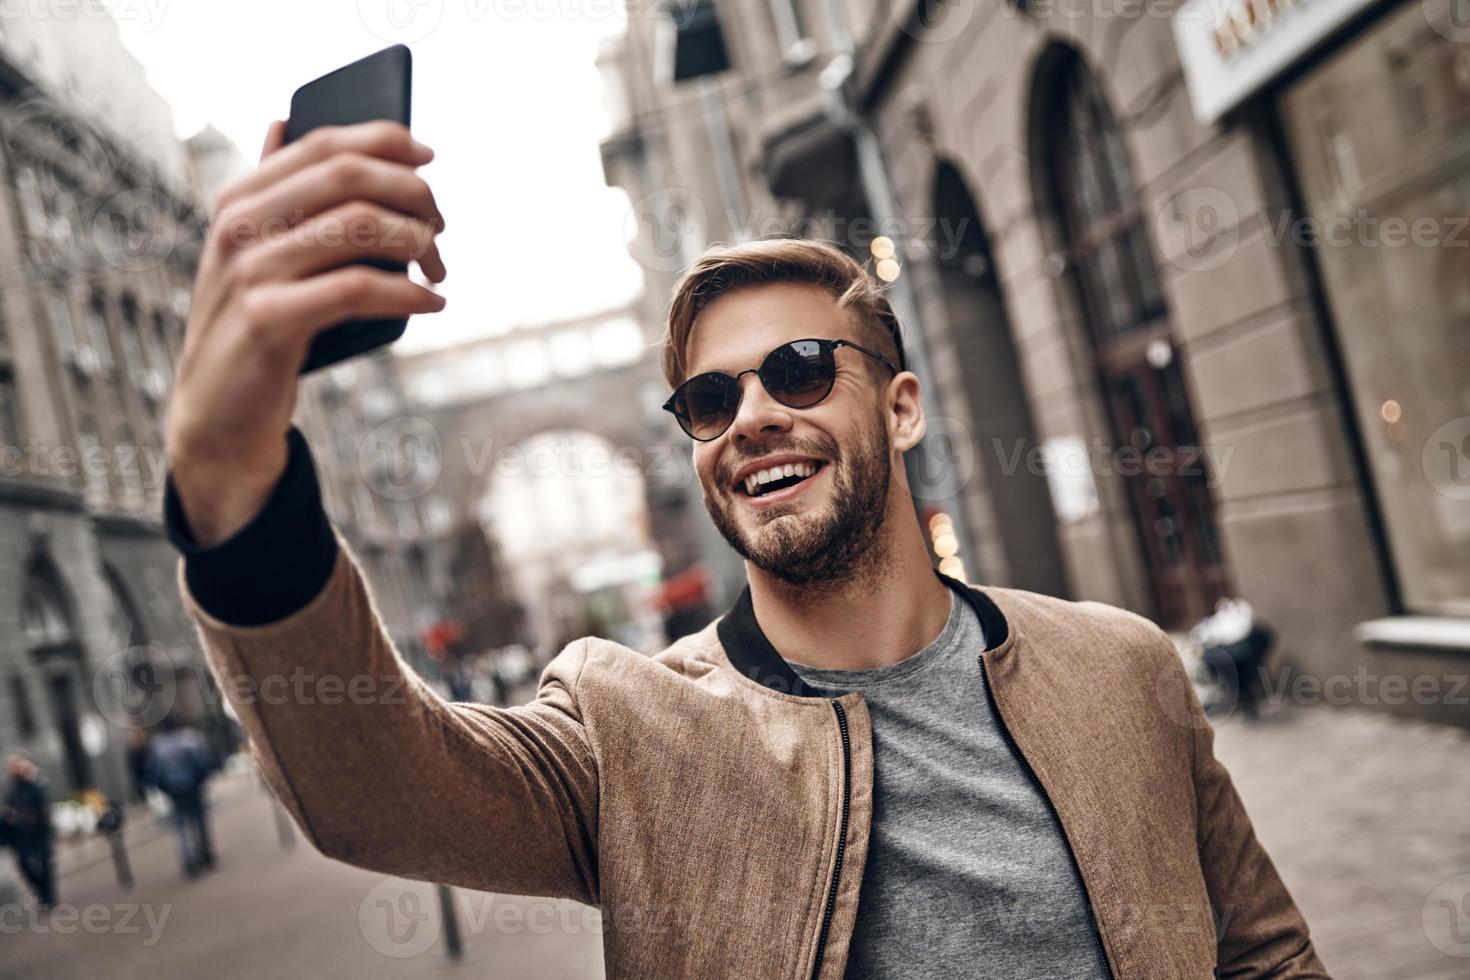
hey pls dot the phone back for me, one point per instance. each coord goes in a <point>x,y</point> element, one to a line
<point>375,87</point>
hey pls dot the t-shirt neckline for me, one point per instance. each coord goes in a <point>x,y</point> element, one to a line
<point>838,679</point>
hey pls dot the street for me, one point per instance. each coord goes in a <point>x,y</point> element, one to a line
<point>1364,815</point>
<point>1147,307</point>
<point>269,912</point>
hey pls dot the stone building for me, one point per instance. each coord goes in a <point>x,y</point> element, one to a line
<point>100,233</point>
<point>1189,284</point>
<point>550,440</point>
<point>375,475</point>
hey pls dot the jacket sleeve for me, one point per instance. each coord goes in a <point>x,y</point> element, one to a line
<point>1260,931</point>
<point>375,768</point>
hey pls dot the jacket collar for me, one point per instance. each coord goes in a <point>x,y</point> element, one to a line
<point>752,654</point>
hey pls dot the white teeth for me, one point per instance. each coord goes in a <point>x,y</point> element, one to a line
<point>781,472</point>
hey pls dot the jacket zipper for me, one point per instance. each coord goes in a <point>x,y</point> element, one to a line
<point>1005,732</point>
<point>841,835</point>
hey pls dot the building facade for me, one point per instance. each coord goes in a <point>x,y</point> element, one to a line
<point>1189,285</point>
<point>100,233</point>
<point>358,419</point>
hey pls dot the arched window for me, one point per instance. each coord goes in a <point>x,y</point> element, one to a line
<point>1016,529</point>
<point>1089,183</point>
<point>45,615</point>
<point>125,626</point>
<point>50,631</point>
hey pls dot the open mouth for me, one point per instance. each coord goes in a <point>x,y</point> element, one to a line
<point>778,477</point>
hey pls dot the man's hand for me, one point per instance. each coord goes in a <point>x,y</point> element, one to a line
<point>277,269</point>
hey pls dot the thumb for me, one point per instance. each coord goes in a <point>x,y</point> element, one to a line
<point>275,138</point>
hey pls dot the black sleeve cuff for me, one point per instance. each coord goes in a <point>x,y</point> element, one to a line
<point>272,566</point>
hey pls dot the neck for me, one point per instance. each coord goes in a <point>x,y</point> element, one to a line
<point>890,611</point>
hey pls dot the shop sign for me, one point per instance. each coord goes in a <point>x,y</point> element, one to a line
<point>1230,49</point>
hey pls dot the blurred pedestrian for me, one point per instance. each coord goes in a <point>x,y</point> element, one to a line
<point>138,763</point>
<point>459,684</point>
<point>497,683</point>
<point>222,735</point>
<point>1234,646</point>
<point>25,825</point>
<point>180,764</point>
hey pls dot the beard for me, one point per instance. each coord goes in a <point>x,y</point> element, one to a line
<point>828,547</point>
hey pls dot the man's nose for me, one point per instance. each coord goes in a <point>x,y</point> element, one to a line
<point>759,414</point>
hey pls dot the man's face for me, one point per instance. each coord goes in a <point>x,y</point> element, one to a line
<point>816,529</point>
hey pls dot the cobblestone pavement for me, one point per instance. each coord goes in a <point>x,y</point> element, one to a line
<point>1367,817</point>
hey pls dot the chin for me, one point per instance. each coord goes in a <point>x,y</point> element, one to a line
<point>781,536</point>
<point>765,528</point>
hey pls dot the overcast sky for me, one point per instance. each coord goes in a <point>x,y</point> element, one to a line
<point>506,93</point>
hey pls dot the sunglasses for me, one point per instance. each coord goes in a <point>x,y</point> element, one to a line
<point>798,375</point>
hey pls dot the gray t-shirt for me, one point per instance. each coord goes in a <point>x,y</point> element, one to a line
<point>968,874</point>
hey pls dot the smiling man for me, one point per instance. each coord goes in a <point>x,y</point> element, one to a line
<point>863,769</point>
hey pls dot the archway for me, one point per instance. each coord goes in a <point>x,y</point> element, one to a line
<point>48,623</point>
<point>1020,517</point>
<point>571,520</point>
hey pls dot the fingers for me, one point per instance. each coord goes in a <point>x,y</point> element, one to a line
<point>351,176</point>
<point>289,313</point>
<point>347,233</point>
<point>275,138</point>
<point>326,184</point>
<point>292,235</point>
<point>431,263</point>
<point>385,140</point>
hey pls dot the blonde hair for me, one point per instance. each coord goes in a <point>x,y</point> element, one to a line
<point>725,268</point>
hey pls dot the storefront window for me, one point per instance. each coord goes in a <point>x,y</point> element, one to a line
<point>1380,139</point>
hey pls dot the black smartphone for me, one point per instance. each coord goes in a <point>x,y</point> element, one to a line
<point>375,87</point>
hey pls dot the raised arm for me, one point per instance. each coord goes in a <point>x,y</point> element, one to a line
<point>375,768</point>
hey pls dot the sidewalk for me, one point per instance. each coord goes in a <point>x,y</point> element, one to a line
<point>273,910</point>
<point>1365,816</point>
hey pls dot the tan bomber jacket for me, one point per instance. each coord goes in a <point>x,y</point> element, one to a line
<point>719,813</point>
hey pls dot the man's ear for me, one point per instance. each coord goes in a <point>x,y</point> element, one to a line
<point>905,411</point>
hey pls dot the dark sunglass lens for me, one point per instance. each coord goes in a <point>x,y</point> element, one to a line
<point>799,374</point>
<point>706,405</point>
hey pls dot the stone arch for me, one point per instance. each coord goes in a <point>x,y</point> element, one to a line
<point>127,625</point>
<point>1019,532</point>
<point>574,521</point>
<point>619,405</point>
<point>53,639</point>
